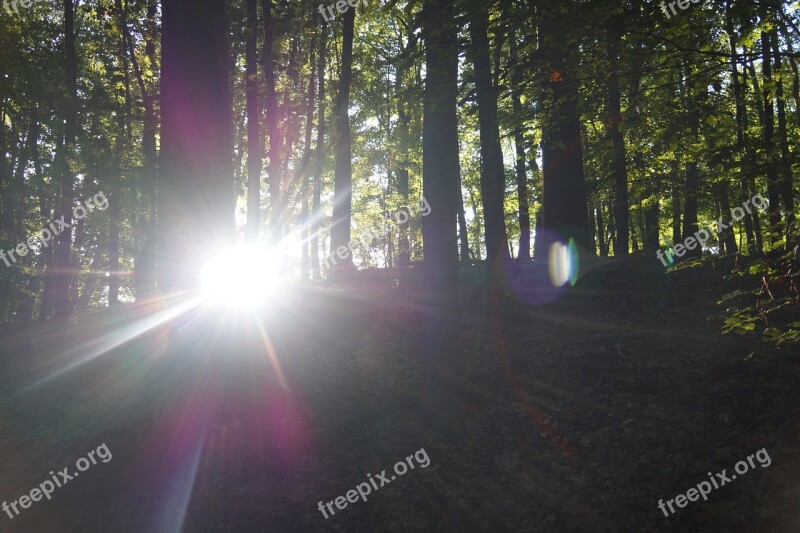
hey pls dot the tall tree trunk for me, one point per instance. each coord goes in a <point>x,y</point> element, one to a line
<point>145,262</point>
<point>441,172</point>
<point>692,168</point>
<point>63,253</point>
<point>742,142</point>
<point>320,155</point>
<point>473,202</point>
<point>519,145</point>
<point>651,225</point>
<point>727,237</point>
<point>592,226</point>
<point>115,212</point>
<point>564,188</point>
<point>492,171</point>
<point>601,231</point>
<point>275,141</point>
<point>621,210</point>
<point>612,227</point>
<point>751,179</point>
<point>305,218</point>
<point>195,200</point>
<point>343,177</point>
<point>403,124</point>
<point>786,190</point>
<point>253,130</point>
<point>773,185</point>
<point>463,236</point>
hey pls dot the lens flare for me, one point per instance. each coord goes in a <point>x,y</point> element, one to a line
<point>240,277</point>
<point>563,263</point>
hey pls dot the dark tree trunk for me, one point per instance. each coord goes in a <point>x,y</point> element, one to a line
<point>519,146</point>
<point>601,231</point>
<point>651,225</point>
<point>305,218</point>
<point>564,189</point>
<point>476,224</point>
<point>275,141</point>
<point>441,177</point>
<point>463,235</point>
<point>145,262</point>
<point>692,168</point>
<point>320,156</point>
<point>592,226</point>
<point>751,179</point>
<point>63,251</point>
<point>403,120</point>
<point>343,176</point>
<point>492,172</point>
<point>115,222</point>
<point>727,237</point>
<point>620,171</point>
<point>773,185</point>
<point>742,142</point>
<point>253,130</point>
<point>612,228</point>
<point>786,190</point>
<point>195,200</point>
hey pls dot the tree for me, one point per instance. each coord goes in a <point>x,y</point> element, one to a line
<point>63,254</point>
<point>253,130</point>
<point>564,190</point>
<point>195,200</point>
<point>343,180</point>
<point>440,170</point>
<point>492,171</point>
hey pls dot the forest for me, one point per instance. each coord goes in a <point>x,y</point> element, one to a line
<point>226,265</point>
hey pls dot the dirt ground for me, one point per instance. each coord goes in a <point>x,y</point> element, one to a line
<point>592,408</point>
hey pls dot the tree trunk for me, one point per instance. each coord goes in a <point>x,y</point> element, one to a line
<point>253,130</point>
<point>403,125</point>
<point>743,145</point>
<point>519,145</point>
<point>275,141</point>
<point>773,186</point>
<point>601,231</point>
<point>651,226</point>
<point>343,177</point>
<point>786,190</point>
<point>195,200</point>
<point>692,168</point>
<point>564,189</point>
<point>751,179</point>
<point>63,252</point>
<point>305,218</point>
<point>462,230</point>
<point>620,171</point>
<point>727,237</point>
<point>320,156</point>
<point>441,177</point>
<point>492,171</point>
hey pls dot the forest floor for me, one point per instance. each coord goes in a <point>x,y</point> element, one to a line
<point>592,409</point>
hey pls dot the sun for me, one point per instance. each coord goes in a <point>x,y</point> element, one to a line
<point>242,276</point>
